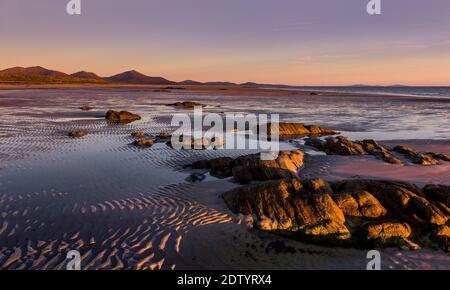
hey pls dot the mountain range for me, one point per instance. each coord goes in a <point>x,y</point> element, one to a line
<point>38,74</point>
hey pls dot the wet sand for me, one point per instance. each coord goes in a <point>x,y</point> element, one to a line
<point>128,208</point>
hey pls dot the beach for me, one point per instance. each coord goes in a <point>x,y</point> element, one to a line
<point>124,207</point>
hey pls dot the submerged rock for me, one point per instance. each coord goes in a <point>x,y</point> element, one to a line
<point>414,156</point>
<point>77,134</point>
<point>122,117</point>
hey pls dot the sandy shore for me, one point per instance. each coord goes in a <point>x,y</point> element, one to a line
<point>128,208</point>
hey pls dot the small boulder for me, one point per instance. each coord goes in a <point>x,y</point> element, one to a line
<point>439,156</point>
<point>138,134</point>
<point>342,146</point>
<point>122,117</point>
<point>77,134</point>
<point>292,130</point>
<point>143,143</point>
<point>187,105</point>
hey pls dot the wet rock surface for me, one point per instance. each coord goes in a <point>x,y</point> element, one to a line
<point>414,156</point>
<point>348,213</point>
<point>286,130</point>
<point>251,168</point>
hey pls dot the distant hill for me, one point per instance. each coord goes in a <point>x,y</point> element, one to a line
<point>40,75</point>
<point>85,75</point>
<point>134,77</point>
<point>190,83</point>
<point>34,70</point>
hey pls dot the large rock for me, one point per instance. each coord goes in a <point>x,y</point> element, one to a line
<point>388,230</point>
<point>251,168</point>
<point>122,117</point>
<point>440,193</point>
<point>442,235</point>
<point>288,204</point>
<point>342,146</point>
<point>360,204</point>
<point>291,130</point>
<point>402,200</point>
<point>414,156</point>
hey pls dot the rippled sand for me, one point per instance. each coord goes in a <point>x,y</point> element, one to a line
<point>128,208</point>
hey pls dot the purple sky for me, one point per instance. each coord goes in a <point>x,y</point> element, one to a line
<point>304,42</point>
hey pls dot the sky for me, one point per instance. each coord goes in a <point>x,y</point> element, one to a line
<point>296,42</point>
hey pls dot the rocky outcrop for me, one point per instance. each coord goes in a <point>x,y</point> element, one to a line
<point>122,117</point>
<point>251,168</point>
<point>287,204</point>
<point>414,156</point>
<point>292,130</point>
<point>438,193</point>
<point>349,212</point>
<point>342,146</point>
<point>439,156</point>
<point>77,134</point>
<point>187,105</point>
<point>372,147</point>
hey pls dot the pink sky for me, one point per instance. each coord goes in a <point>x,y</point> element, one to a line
<point>299,42</point>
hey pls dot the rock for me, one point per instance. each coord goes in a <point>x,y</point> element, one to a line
<point>440,156</point>
<point>402,200</point>
<point>86,108</point>
<point>414,156</point>
<point>360,204</point>
<point>122,117</point>
<point>164,135</point>
<point>77,134</point>
<point>373,148</point>
<point>196,144</point>
<point>291,130</point>
<point>440,193</point>
<point>409,245</point>
<point>342,146</point>
<point>138,134</point>
<point>316,143</point>
<point>196,177</point>
<point>187,105</point>
<point>327,228</point>
<point>143,143</point>
<point>252,168</point>
<point>288,204</point>
<point>442,236</point>
<point>388,230</point>
<point>219,167</point>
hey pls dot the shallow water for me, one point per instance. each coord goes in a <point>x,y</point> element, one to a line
<point>125,207</point>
